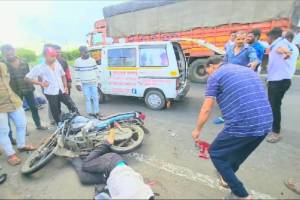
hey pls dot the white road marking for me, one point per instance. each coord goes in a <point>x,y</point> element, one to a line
<point>187,173</point>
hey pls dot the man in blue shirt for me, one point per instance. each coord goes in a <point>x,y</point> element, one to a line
<point>244,104</point>
<point>281,67</point>
<point>230,41</point>
<point>259,48</point>
<point>241,53</point>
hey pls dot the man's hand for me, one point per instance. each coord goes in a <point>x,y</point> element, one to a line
<point>78,87</point>
<point>253,65</point>
<point>66,90</point>
<point>44,84</point>
<point>196,134</point>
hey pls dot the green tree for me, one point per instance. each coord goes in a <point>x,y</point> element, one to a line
<point>71,55</point>
<point>26,54</point>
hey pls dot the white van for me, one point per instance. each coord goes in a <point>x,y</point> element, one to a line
<point>155,71</point>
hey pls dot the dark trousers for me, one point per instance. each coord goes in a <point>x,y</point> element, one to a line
<point>95,169</point>
<point>276,91</point>
<point>54,103</point>
<point>227,154</point>
<point>29,96</point>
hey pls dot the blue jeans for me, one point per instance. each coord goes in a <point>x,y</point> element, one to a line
<point>228,153</point>
<point>90,92</point>
<point>19,119</point>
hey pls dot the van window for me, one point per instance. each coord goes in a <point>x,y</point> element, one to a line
<point>124,57</point>
<point>154,56</point>
<point>97,38</point>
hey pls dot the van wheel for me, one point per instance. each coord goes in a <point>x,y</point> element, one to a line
<point>101,96</point>
<point>155,100</point>
<point>197,73</point>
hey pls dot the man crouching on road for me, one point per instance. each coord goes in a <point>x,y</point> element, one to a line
<point>242,99</point>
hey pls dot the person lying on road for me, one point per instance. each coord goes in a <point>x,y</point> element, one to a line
<point>103,167</point>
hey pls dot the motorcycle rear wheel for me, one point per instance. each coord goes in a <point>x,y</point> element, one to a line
<point>40,157</point>
<point>130,145</point>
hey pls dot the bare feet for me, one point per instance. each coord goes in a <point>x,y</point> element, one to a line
<point>42,128</point>
<point>293,185</point>
<point>274,137</point>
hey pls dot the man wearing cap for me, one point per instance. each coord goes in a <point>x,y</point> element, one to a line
<point>51,76</point>
<point>17,69</point>
<point>87,78</point>
<point>244,104</point>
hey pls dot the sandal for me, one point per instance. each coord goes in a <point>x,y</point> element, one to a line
<point>27,148</point>
<point>222,182</point>
<point>14,160</point>
<point>273,138</point>
<point>293,185</point>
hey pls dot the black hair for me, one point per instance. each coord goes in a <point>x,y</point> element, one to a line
<point>6,48</point>
<point>289,35</point>
<point>82,48</point>
<point>275,32</point>
<point>57,47</point>
<point>256,32</point>
<point>233,32</point>
<point>213,60</point>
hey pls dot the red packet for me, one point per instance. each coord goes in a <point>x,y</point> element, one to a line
<point>204,147</point>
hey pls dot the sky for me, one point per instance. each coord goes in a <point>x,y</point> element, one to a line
<point>30,24</point>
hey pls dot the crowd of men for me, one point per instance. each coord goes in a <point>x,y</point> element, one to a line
<point>250,114</point>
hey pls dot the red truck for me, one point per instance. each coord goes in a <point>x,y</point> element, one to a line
<point>212,21</point>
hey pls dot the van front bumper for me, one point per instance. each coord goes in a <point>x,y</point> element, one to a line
<point>183,92</point>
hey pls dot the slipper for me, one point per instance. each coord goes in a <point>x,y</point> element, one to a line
<point>273,138</point>
<point>222,182</point>
<point>292,185</point>
<point>3,178</point>
<point>14,160</point>
<point>27,148</point>
<point>219,120</point>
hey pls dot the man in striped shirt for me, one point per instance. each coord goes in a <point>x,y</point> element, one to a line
<point>87,78</point>
<point>244,104</point>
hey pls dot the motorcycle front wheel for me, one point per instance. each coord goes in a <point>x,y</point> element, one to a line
<point>41,156</point>
<point>130,144</point>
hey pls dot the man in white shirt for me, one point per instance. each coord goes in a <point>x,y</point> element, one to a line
<point>53,81</point>
<point>294,49</point>
<point>87,77</point>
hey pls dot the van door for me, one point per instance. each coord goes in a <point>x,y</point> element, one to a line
<point>181,62</point>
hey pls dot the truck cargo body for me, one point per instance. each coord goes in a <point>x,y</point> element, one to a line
<point>212,21</point>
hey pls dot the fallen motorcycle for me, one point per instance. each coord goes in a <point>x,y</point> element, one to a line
<point>78,136</point>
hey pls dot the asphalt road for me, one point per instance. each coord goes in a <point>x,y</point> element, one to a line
<point>168,158</point>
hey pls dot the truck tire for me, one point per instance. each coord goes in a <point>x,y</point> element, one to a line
<point>155,99</point>
<point>197,73</point>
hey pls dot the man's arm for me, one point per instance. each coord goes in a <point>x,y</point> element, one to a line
<point>204,114</point>
<point>284,51</point>
<point>31,77</point>
<point>64,80</point>
<point>254,61</point>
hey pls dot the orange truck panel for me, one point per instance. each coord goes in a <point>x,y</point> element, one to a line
<point>215,35</point>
